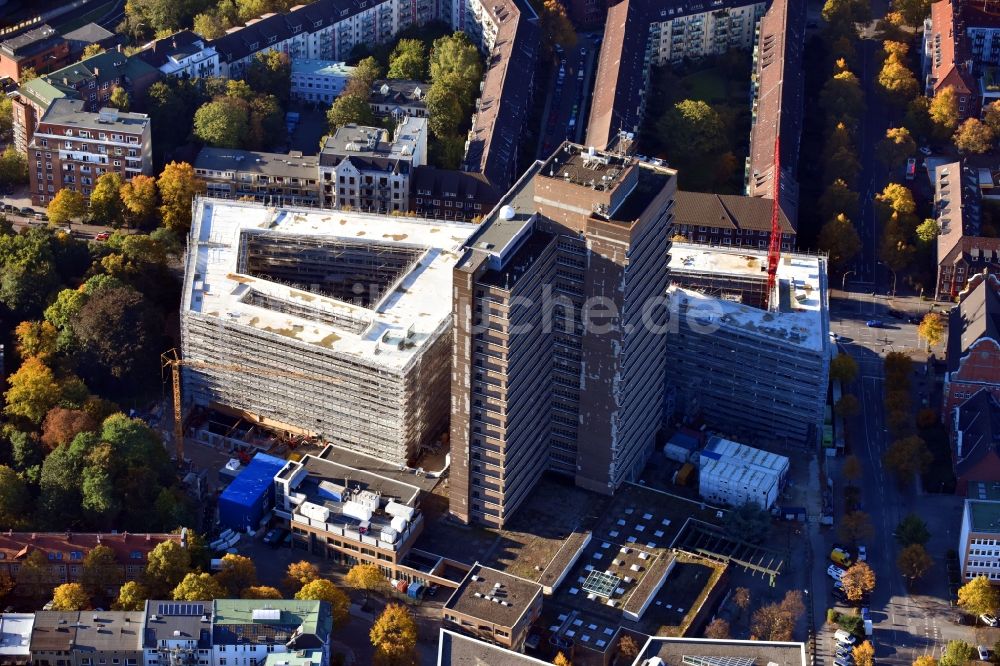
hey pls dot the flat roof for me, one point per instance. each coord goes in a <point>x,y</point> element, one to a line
<point>70,112</point>
<point>15,633</point>
<point>291,165</point>
<point>457,650</point>
<point>984,516</point>
<point>321,67</point>
<point>342,466</point>
<point>493,596</point>
<point>172,617</point>
<point>801,321</point>
<point>310,617</point>
<point>675,651</point>
<point>375,142</point>
<point>414,310</point>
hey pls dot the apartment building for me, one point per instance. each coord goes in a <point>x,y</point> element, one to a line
<point>973,348</point>
<point>182,54</point>
<point>177,633</point>
<point>777,108</point>
<point>494,606</point>
<point>322,30</point>
<point>979,536</point>
<point>319,80</point>
<point>352,508</point>
<point>450,195</point>
<point>246,631</point>
<point>755,373</point>
<point>66,551</point>
<point>962,251</point>
<point>73,147</point>
<point>96,77</point>
<point>321,323</point>
<point>533,386</point>
<point>728,220</point>
<point>507,31</point>
<point>360,168</point>
<point>693,30</point>
<point>273,178</point>
<point>975,440</point>
<point>41,49</point>
<point>87,638</point>
<point>398,98</point>
<point>28,104</point>
<point>958,39</point>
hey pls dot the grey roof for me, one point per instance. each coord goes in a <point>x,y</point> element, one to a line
<point>399,91</point>
<point>370,148</point>
<point>178,45</point>
<point>979,428</point>
<point>89,34</point>
<point>458,650</point>
<point>480,597</point>
<point>727,211</point>
<point>451,183</point>
<point>53,630</point>
<point>977,316</point>
<point>338,464</point>
<point>172,617</point>
<point>673,651</point>
<point>88,630</point>
<point>70,112</point>
<point>290,165</point>
<point>30,42</point>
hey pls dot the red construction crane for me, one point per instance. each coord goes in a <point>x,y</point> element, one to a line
<point>774,250</point>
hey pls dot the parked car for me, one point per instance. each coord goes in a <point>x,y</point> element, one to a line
<point>844,637</point>
<point>836,573</point>
<point>41,216</point>
<point>862,554</point>
<point>874,323</point>
<point>274,537</point>
<point>925,151</point>
<point>842,661</point>
<point>27,210</point>
<point>866,615</point>
<point>984,653</point>
<point>840,557</point>
<point>103,236</point>
<point>989,619</point>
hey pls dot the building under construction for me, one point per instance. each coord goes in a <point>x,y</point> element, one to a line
<point>334,324</point>
<point>750,364</point>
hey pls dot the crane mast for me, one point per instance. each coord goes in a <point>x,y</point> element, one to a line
<point>774,249</point>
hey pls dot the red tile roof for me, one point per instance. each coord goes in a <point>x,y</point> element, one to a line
<point>621,75</point>
<point>950,53</point>
<point>16,545</point>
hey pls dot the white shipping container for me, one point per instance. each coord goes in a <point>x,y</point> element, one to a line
<point>389,534</point>
<point>399,524</point>
<point>368,499</point>
<point>314,511</point>
<point>355,510</point>
<point>400,510</point>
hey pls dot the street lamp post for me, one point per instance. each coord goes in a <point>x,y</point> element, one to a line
<point>843,280</point>
<point>893,277</point>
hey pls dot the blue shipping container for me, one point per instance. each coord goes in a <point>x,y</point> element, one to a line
<point>244,502</point>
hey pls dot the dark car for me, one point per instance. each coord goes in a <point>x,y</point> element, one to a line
<point>913,320</point>
<point>27,210</point>
<point>275,536</point>
<point>874,323</point>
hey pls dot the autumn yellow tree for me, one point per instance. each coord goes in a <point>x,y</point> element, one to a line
<point>943,111</point>
<point>394,636</point>
<point>367,578</point>
<point>978,596</point>
<point>36,338</point>
<point>33,391</point>
<point>717,629</point>
<point>562,660</point>
<point>932,328</point>
<point>236,573</point>
<point>974,136</point>
<point>132,596</point>
<point>908,456</point>
<point>323,590</point>
<point>914,562</point>
<point>178,186</point>
<point>198,587</point>
<point>70,597</point>
<point>139,197</point>
<point>260,592</point>
<point>858,580</point>
<point>864,654</point>
<point>925,660</point>
<point>298,574</point>
<point>897,146</point>
<point>556,25</point>
<point>66,205</point>
<point>628,647</point>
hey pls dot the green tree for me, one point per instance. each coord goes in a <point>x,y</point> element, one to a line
<point>67,205</point>
<point>33,391</point>
<point>119,331</point>
<point>120,99</point>
<point>106,206</point>
<point>842,96</point>
<point>928,231</point>
<point>455,55</point>
<point>224,122</point>
<point>178,186</point>
<point>913,12</point>
<point>943,111</point>
<point>13,167</point>
<point>394,636</point>
<point>131,597</point>
<point>35,578</point>
<point>323,590</point>
<point>101,572</point>
<point>444,106</point>
<point>271,71</point>
<point>365,73</point>
<point>267,123</point>
<point>748,522</point>
<point>209,25</point>
<point>914,562</point>
<point>958,653</point>
<point>840,240</point>
<point>6,118</point>
<point>837,199</point>
<point>897,146</point>
<point>918,119</point>
<point>166,566</point>
<point>348,109</point>
<point>843,368</point>
<point>974,136</point>
<point>15,501</point>
<point>408,60</point>
<point>198,587</point>
<point>70,597</point>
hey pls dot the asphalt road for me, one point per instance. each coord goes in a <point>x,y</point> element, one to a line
<point>569,96</point>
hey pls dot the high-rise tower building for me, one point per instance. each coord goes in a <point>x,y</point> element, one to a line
<point>559,355</point>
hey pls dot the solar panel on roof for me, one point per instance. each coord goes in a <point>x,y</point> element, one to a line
<point>181,609</point>
<point>718,661</point>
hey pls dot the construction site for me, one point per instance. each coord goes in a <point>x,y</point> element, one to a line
<point>334,325</point>
<point>750,355</point>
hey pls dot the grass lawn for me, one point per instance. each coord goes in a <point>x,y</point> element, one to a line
<point>708,85</point>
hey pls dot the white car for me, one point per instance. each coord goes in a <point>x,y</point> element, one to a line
<point>984,653</point>
<point>989,619</point>
<point>836,573</point>
<point>925,151</point>
<point>862,554</point>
